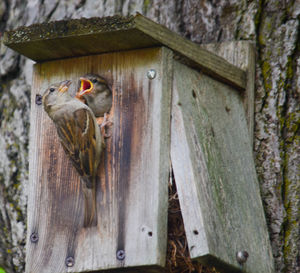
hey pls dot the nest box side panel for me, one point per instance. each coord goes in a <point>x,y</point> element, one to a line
<point>241,54</point>
<point>215,174</point>
<point>132,184</point>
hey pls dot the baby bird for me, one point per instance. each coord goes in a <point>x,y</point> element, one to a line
<point>95,91</point>
<point>80,137</point>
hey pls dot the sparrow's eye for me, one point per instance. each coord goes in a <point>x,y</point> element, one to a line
<point>94,80</point>
<point>52,89</point>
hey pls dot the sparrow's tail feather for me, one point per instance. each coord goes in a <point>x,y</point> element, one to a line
<point>90,210</point>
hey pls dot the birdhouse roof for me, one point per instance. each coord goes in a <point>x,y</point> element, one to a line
<point>82,37</point>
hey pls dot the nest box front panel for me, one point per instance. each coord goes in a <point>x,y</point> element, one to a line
<point>215,175</point>
<point>131,187</point>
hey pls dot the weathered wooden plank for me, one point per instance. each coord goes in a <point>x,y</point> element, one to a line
<point>132,183</point>
<point>241,54</point>
<point>215,174</point>
<point>209,63</point>
<point>80,37</point>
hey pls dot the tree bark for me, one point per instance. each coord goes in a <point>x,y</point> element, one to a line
<point>272,25</point>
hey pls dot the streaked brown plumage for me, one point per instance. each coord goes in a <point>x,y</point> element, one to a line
<point>80,137</point>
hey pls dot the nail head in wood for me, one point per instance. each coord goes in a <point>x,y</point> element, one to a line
<point>151,74</point>
<point>38,99</point>
<point>120,255</point>
<point>70,261</point>
<point>34,237</point>
<point>242,256</point>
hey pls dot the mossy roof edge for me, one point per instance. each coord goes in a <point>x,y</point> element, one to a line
<point>82,37</point>
<point>66,28</point>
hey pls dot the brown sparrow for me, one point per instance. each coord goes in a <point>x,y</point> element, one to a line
<point>80,137</point>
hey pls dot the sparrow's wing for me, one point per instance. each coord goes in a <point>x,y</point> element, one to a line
<point>78,137</point>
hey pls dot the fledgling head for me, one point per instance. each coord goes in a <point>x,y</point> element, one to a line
<point>91,84</point>
<point>53,92</point>
<point>95,91</point>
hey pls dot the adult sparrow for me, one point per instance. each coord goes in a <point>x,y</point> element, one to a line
<point>80,137</point>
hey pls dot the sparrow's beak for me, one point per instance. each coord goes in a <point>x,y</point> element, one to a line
<point>64,86</point>
<point>86,86</point>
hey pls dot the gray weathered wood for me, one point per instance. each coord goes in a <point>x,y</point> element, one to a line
<point>79,37</point>
<point>215,174</point>
<point>241,54</point>
<point>133,176</point>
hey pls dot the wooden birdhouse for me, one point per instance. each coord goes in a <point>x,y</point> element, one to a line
<point>176,105</point>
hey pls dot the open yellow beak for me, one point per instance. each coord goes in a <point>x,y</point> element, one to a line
<point>86,86</point>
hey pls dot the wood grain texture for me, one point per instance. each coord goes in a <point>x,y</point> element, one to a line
<point>133,176</point>
<point>80,37</point>
<point>193,54</point>
<point>215,174</point>
<point>241,54</point>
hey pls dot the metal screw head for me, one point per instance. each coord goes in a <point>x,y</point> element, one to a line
<point>70,261</point>
<point>34,237</point>
<point>242,256</point>
<point>38,99</point>
<point>151,74</point>
<point>120,255</point>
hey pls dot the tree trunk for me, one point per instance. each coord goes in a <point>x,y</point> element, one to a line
<point>272,25</point>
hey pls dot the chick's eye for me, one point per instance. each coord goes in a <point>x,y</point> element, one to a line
<point>52,89</point>
<point>94,80</point>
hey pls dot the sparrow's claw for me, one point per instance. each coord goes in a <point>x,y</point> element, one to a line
<point>105,123</point>
<point>99,121</point>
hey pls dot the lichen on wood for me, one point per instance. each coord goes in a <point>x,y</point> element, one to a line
<point>71,27</point>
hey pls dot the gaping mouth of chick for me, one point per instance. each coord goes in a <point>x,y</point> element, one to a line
<point>86,86</point>
<point>64,86</point>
